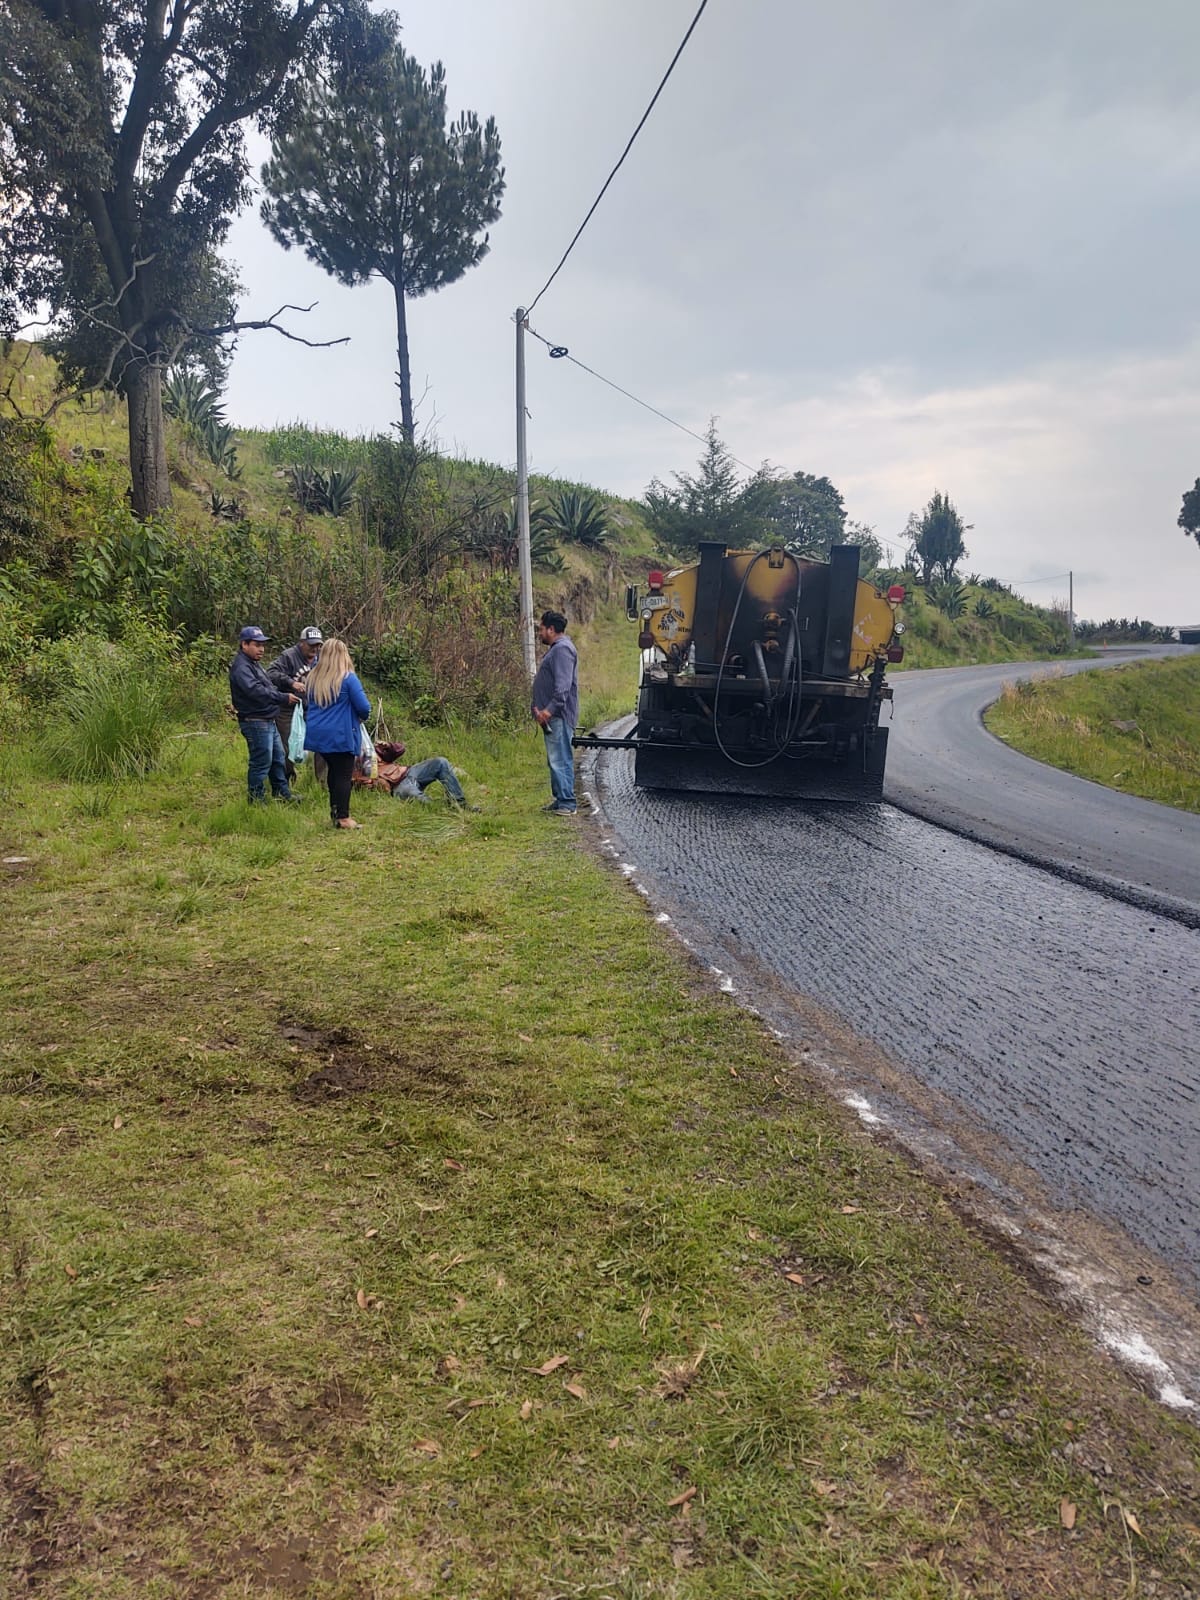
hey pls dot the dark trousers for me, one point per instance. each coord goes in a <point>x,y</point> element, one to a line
<point>266,759</point>
<point>341,771</point>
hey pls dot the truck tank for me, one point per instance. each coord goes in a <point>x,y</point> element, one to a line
<point>763,674</point>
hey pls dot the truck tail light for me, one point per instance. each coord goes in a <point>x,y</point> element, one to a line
<point>895,652</point>
<point>896,594</point>
<point>655,580</point>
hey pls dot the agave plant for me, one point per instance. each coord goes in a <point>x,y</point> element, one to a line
<point>950,598</point>
<point>339,490</point>
<point>492,534</point>
<point>984,608</point>
<point>189,399</point>
<point>321,490</point>
<point>580,518</point>
<point>218,440</point>
<point>225,508</point>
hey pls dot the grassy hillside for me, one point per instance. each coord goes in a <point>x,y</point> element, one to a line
<point>1010,630</point>
<point>239,544</point>
<point>1135,728</point>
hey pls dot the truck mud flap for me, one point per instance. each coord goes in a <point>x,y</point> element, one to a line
<point>708,772</point>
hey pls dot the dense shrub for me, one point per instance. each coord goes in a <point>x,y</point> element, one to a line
<point>111,702</point>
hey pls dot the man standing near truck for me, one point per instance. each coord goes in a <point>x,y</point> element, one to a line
<point>555,705</point>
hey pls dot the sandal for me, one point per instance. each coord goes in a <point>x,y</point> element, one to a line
<point>346,822</point>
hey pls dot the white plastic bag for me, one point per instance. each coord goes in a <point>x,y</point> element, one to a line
<point>368,761</point>
<point>296,751</point>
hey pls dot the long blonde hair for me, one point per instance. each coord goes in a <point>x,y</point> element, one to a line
<point>324,682</point>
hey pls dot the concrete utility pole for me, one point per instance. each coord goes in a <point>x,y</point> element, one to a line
<point>523,507</point>
<point>1071,603</point>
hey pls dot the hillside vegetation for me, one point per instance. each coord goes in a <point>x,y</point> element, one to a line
<point>409,554</point>
<point>1135,728</point>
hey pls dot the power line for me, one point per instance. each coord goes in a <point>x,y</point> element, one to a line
<point>559,352</point>
<point>624,153</point>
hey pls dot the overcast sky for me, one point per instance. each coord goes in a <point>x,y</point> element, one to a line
<point>950,244</point>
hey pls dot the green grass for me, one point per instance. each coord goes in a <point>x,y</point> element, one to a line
<point>317,1146</point>
<point>1135,728</point>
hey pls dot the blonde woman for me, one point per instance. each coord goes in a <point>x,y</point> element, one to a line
<point>335,706</point>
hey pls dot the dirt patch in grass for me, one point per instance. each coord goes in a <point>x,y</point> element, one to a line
<point>34,1527</point>
<point>350,1065</point>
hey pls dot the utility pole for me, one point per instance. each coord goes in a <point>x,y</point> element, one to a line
<point>1071,605</point>
<point>523,507</point>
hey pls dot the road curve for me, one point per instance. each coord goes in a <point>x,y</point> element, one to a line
<point>945,767</point>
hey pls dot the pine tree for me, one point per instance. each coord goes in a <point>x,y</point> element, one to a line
<point>937,538</point>
<point>368,179</point>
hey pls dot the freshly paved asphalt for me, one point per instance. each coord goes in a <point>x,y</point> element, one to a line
<point>944,766</point>
<point>1038,1028</point>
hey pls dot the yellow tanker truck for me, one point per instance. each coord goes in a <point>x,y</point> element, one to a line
<point>762,674</point>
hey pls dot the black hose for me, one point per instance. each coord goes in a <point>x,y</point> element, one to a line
<point>794,702</point>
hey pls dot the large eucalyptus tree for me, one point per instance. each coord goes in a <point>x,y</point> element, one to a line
<point>122,164</point>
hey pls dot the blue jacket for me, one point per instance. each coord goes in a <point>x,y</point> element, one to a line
<point>255,698</point>
<point>334,729</point>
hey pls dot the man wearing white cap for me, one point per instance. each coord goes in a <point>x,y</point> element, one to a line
<point>288,672</point>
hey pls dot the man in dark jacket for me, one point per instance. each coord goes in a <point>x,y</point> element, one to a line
<point>555,705</point>
<point>289,669</point>
<point>258,702</point>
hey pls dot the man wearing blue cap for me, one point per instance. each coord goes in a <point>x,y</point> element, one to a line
<point>258,702</point>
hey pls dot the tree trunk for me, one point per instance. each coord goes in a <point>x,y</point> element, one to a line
<point>405,373</point>
<point>147,438</point>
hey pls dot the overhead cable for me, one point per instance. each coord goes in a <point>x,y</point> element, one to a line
<point>560,352</point>
<point>1016,583</point>
<point>624,153</point>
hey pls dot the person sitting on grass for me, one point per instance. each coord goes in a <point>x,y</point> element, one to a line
<point>335,708</point>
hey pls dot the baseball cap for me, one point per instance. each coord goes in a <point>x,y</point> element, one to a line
<point>311,636</point>
<point>253,636</point>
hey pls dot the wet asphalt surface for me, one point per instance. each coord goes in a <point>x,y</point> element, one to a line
<point>944,766</point>
<point>1059,1023</point>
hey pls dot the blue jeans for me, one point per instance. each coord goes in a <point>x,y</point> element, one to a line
<point>419,776</point>
<point>561,759</point>
<point>266,760</point>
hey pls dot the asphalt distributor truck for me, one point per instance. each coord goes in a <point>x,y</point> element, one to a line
<point>762,674</point>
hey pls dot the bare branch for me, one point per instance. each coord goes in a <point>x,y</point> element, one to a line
<point>268,322</point>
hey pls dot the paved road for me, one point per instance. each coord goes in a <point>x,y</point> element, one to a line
<point>1035,1037</point>
<point>943,765</point>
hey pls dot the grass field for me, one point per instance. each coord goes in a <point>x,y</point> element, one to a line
<point>1135,728</point>
<point>397,1214</point>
